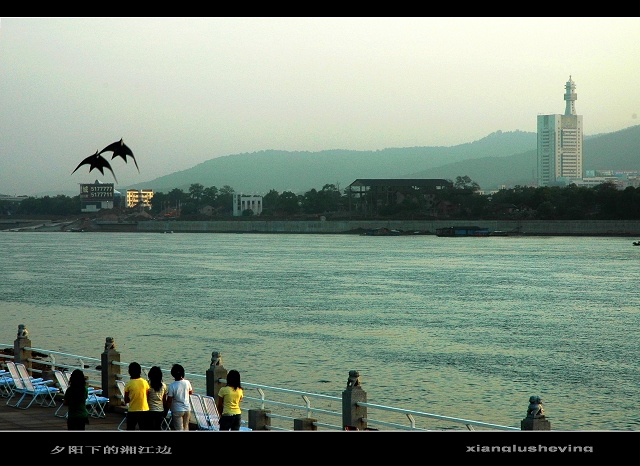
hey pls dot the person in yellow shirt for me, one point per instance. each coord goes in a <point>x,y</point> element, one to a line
<point>229,398</point>
<point>135,395</point>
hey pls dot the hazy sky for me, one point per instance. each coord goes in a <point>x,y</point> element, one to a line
<point>181,91</point>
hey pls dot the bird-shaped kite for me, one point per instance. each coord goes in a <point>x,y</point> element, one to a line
<point>120,149</point>
<point>96,161</point>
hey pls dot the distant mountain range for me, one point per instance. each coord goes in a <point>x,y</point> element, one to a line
<point>501,158</point>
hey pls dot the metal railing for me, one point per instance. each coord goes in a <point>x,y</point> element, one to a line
<point>284,404</point>
<point>411,413</point>
<point>293,410</point>
<point>68,362</point>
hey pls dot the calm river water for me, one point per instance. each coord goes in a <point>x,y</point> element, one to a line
<point>463,327</point>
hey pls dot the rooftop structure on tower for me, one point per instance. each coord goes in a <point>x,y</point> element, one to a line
<point>559,148</point>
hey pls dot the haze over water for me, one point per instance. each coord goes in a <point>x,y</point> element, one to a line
<point>465,327</point>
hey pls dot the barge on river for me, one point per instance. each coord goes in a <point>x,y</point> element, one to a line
<point>462,231</point>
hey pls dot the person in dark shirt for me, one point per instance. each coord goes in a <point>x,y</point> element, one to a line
<point>75,398</point>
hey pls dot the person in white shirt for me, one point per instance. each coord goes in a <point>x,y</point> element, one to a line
<point>178,399</point>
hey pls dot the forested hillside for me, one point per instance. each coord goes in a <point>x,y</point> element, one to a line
<point>501,158</point>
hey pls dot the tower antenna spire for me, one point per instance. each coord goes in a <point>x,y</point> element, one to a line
<point>570,97</point>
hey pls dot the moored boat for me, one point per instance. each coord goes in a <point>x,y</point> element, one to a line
<point>462,231</point>
<point>392,232</point>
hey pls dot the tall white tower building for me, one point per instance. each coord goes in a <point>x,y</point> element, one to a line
<point>560,143</point>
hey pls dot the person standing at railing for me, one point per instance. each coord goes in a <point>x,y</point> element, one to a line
<point>157,398</point>
<point>229,398</point>
<point>178,394</point>
<point>135,394</point>
<point>75,398</point>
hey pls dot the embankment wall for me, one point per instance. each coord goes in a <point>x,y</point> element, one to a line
<point>547,227</point>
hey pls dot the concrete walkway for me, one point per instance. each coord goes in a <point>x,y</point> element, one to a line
<point>35,433</point>
<point>38,418</point>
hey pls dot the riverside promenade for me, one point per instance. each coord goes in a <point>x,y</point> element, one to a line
<point>37,433</point>
<point>41,435</point>
<point>354,414</point>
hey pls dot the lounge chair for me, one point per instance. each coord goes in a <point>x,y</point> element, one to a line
<point>24,373</point>
<point>63,385</point>
<point>18,386</point>
<point>6,384</point>
<point>166,421</point>
<point>96,403</point>
<point>212,414</point>
<point>211,411</point>
<point>198,410</point>
<point>120,384</point>
<point>40,392</point>
<point>13,370</point>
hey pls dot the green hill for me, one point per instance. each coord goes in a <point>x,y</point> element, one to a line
<point>501,158</point>
<point>619,150</point>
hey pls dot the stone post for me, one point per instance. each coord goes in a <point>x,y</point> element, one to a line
<point>258,419</point>
<point>535,419</point>
<point>22,341</point>
<point>110,373</point>
<point>352,415</point>
<point>215,372</point>
<point>47,374</point>
<point>305,423</point>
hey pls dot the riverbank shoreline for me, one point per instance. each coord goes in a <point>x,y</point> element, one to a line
<point>619,228</point>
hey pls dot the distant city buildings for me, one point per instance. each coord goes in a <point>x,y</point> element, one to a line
<point>14,199</point>
<point>243,202</point>
<point>139,197</point>
<point>559,148</point>
<point>96,196</point>
<point>620,178</point>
